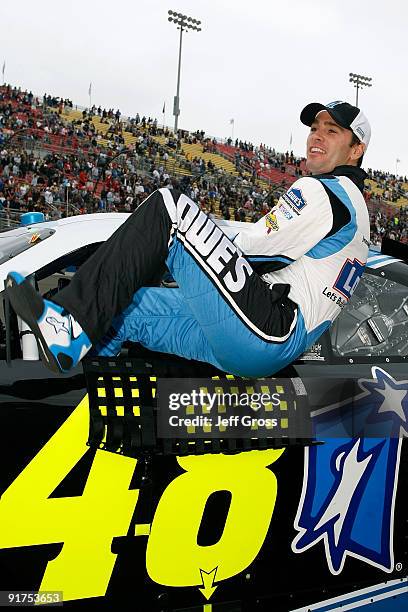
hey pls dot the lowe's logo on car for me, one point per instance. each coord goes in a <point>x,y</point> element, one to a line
<point>349,277</point>
<point>294,197</point>
<point>350,482</point>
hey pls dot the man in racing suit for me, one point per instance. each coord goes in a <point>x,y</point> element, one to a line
<point>309,253</point>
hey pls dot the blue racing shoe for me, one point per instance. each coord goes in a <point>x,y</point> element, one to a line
<point>61,340</point>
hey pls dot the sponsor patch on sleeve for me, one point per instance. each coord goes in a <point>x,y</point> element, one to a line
<point>295,199</point>
<point>271,222</point>
<point>284,211</point>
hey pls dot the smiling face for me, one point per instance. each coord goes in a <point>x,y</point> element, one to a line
<point>329,145</point>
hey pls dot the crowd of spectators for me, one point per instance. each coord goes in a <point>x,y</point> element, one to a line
<point>80,174</point>
<point>265,158</point>
<point>394,187</point>
<point>260,160</point>
<point>62,165</point>
<point>394,226</point>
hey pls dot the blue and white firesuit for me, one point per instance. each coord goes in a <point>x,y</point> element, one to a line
<point>253,304</point>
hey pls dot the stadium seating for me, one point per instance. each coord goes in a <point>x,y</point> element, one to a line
<point>253,169</point>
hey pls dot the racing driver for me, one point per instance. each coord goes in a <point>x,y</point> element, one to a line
<point>250,305</point>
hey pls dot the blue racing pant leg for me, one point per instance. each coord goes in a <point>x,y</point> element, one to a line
<point>159,319</point>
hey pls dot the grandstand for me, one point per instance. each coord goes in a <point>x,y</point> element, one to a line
<point>65,160</point>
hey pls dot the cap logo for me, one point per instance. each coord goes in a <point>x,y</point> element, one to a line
<point>360,132</point>
<point>332,104</point>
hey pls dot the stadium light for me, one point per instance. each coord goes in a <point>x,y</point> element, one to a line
<point>359,81</point>
<point>183,24</point>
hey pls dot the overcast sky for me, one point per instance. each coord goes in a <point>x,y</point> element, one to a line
<point>258,62</point>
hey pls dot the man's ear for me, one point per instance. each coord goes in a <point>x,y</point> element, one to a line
<point>358,150</point>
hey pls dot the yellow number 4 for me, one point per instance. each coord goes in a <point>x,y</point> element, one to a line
<point>85,524</point>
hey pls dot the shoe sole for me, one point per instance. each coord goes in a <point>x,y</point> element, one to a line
<point>24,300</point>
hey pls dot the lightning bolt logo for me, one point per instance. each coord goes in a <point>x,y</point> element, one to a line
<point>350,483</point>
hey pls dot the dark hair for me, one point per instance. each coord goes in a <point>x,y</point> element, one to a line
<point>354,141</point>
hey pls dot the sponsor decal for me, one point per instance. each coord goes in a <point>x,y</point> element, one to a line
<point>313,354</point>
<point>34,238</point>
<point>334,297</point>
<point>285,212</point>
<point>294,197</point>
<point>349,277</point>
<point>271,223</point>
<point>350,483</point>
<point>210,247</point>
<point>366,242</point>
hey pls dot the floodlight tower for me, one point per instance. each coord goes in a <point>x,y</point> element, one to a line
<point>359,82</point>
<point>183,24</point>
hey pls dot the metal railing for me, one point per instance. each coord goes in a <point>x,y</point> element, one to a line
<point>9,219</point>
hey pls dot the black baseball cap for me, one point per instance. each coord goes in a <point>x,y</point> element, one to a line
<point>343,113</point>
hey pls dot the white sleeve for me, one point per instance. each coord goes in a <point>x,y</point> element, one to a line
<point>300,219</point>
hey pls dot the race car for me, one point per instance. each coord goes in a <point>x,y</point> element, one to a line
<point>372,329</point>
<point>155,525</point>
